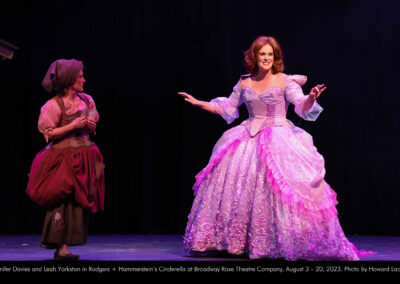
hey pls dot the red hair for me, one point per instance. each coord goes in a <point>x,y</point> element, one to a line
<point>251,55</point>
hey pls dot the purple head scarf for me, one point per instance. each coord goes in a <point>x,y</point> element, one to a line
<point>62,73</point>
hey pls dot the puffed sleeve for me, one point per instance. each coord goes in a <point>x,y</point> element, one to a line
<point>228,107</point>
<point>50,115</point>
<point>294,94</point>
<point>92,108</point>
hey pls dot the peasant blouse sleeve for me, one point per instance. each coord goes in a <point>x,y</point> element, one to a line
<point>228,107</point>
<point>92,108</point>
<point>294,94</point>
<point>50,115</point>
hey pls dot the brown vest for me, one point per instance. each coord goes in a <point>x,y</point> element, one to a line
<point>76,137</point>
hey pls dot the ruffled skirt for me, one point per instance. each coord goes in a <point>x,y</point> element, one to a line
<point>266,196</point>
<point>71,172</point>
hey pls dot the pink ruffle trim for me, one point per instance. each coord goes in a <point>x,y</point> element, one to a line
<point>202,176</point>
<point>363,253</point>
<point>308,209</point>
<point>225,109</point>
<point>301,206</point>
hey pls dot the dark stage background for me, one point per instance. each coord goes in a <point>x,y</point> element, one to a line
<point>139,54</point>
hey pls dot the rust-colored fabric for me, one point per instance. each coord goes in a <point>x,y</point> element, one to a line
<point>58,173</point>
<point>60,170</point>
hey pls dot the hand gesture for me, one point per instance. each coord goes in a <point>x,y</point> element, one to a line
<point>317,90</point>
<point>189,98</point>
<point>91,123</point>
<point>79,122</point>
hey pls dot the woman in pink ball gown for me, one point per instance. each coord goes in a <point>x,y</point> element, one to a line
<point>263,191</point>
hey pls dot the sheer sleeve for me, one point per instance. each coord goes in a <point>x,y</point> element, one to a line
<point>294,94</point>
<point>92,106</point>
<point>50,115</point>
<point>228,107</point>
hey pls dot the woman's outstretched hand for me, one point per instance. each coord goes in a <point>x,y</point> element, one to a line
<point>317,90</point>
<point>189,98</point>
<point>203,105</point>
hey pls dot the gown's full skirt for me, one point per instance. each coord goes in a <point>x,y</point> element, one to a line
<point>266,196</point>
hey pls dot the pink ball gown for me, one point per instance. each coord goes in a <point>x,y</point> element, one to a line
<point>263,191</point>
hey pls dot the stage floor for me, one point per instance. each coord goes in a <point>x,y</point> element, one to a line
<point>160,248</point>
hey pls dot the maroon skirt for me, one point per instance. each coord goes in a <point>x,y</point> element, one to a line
<point>60,173</point>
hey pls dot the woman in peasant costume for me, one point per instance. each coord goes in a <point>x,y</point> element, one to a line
<point>67,177</point>
<point>263,191</point>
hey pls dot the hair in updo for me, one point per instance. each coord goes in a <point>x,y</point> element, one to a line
<point>251,55</point>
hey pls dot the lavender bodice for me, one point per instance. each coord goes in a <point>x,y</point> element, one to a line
<point>269,107</point>
<point>263,190</point>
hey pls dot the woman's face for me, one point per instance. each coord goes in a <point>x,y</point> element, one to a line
<point>265,59</point>
<point>80,81</point>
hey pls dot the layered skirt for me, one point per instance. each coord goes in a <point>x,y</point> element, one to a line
<point>69,183</point>
<point>266,196</point>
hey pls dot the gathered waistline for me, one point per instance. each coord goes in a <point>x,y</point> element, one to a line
<point>269,120</point>
<point>255,124</point>
<point>71,142</point>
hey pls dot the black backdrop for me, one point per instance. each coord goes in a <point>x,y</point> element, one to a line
<point>138,54</point>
